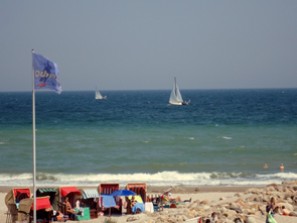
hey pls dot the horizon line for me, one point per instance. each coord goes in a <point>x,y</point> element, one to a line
<point>184,89</point>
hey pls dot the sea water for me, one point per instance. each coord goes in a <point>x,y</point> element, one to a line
<point>224,137</point>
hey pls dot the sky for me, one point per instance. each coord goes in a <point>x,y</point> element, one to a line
<point>144,44</point>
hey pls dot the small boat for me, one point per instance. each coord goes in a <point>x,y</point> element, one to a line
<point>175,96</point>
<point>99,96</point>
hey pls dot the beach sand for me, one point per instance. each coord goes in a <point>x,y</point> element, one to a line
<point>246,202</point>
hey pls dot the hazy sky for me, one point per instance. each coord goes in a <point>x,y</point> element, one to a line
<point>143,44</point>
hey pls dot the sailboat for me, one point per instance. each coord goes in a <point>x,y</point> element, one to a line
<point>99,96</point>
<point>175,96</point>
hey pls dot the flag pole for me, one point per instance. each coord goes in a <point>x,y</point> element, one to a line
<point>41,66</point>
<point>34,142</point>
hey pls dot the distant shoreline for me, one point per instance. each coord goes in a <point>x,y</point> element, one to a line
<point>159,189</point>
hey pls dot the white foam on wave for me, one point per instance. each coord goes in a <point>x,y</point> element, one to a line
<point>164,178</point>
<point>7,177</point>
<point>280,175</point>
<point>226,137</point>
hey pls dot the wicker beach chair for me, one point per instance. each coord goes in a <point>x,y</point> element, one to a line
<point>24,210</point>
<point>11,214</point>
<point>12,199</point>
<point>139,188</point>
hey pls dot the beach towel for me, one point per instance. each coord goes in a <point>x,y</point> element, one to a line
<point>270,218</point>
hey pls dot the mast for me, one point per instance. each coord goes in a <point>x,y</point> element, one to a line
<point>34,142</point>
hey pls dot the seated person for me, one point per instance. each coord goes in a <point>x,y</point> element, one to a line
<point>133,201</point>
<point>136,206</point>
<point>69,210</point>
<point>164,198</point>
<point>174,199</point>
<point>78,207</point>
<point>285,211</point>
<point>128,206</point>
<point>77,204</point>
<point>58,216</point>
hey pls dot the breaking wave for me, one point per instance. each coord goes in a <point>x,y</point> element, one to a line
<point>164,178</point>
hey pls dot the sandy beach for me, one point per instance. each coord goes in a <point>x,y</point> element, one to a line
<point>246,203</point>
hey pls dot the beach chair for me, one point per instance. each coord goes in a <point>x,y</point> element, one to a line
<point>107,189</point>
<point>90,198</point>
<point>11,214</point>
<point>52,193</point>
<point>72,193</point>
<point>12,200</point>
<point>24,210</point>
<point>44,209</point>
<point>139,188</point>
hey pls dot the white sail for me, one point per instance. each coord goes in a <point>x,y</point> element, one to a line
<point>175,96</point>
<point>99,96</point>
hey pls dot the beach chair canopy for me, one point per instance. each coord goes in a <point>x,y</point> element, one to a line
<point>46,190</point>
<point>64,191</point>
<point>108,188</point>
<point>88,193</point>
<point>51,192</point>
<point>138,188</point>
<point>43,203</point>
<point>21,193</point>
<point>15,195</point>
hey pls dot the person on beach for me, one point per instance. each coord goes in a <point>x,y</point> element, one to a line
<point>78,207</point>
<point>77,204</point>
<point>176,199</point>
<point>70,211</point>
<point>130,204</point>
<point>271,209</point>
<point>133,201</point>
<point>131,208</point>
<point>286,212</point>
<point>58,216</point>
<point>271,206</point>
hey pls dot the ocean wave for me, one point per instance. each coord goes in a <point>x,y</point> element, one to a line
<point>164,178</point>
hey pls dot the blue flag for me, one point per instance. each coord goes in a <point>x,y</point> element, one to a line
<point>45,74</point>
